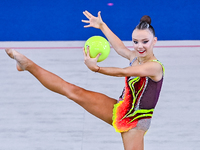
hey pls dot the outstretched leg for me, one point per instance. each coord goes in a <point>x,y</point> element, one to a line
<point>97,104</point>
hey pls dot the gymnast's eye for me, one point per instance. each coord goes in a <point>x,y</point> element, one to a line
<point>135,42</point>
<point>145,42</point>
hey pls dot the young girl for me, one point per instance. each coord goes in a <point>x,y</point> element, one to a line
<point>131,114</point>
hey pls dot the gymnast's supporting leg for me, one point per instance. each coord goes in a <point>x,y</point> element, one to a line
<point>133,139</point>
<point>97,104</point>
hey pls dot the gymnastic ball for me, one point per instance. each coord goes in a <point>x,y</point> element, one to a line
<point>98,44</point>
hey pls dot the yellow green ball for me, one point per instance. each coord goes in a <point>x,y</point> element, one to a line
<point>98,44</point>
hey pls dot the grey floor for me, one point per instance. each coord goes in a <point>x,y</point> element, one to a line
<point>34,118</point>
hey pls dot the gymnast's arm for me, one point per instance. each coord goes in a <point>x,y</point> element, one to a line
<point>150,69</point>
<point>117,44</point>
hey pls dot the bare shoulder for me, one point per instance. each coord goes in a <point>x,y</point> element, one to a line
<point>156,68</point>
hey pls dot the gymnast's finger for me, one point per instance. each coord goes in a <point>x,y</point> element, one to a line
<point>88,51</point>
<point>87,26</point>
<point>84,53</point>
<point>85,21</point>
<point>87,14</point>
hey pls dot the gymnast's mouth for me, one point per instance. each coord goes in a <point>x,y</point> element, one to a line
<point>141,52</point>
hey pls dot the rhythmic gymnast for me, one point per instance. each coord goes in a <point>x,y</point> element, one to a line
<point>131,114</point>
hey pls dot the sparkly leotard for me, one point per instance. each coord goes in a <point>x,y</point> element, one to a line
<point>137,103</point>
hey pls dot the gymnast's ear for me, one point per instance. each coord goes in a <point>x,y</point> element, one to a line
<point>155,39</point>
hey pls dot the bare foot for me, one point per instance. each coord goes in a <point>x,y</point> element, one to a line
<point>22,61</point>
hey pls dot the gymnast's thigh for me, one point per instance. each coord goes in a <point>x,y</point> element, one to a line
<point>96,103</point>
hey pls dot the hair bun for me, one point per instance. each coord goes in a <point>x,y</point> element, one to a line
<point>146,18</point>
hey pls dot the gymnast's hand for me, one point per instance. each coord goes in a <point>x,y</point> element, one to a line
<point>93,21</point>
<point>91,63</point>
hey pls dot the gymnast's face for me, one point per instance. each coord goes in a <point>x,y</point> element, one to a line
<point>143,42</point>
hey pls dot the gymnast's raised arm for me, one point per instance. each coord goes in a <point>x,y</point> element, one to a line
<point>117,44</point>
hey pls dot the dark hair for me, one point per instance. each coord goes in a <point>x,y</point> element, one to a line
<point>145,23</point>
